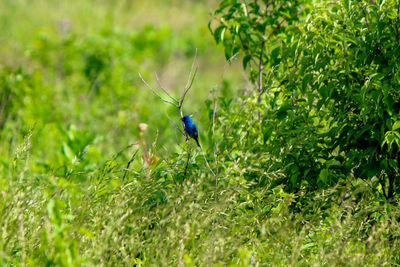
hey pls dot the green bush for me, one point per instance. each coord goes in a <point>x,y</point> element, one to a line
<point>327,84</point>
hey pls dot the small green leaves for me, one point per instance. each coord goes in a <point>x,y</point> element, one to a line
<point>67,151</point>
<point>219,33</point>
<point>390,138</point>
<point>323,176</point>
<point>225,3</point>
<point>396,125</point>
<point>330,83</point>
<point>246,60</point>
<point>275,53</point>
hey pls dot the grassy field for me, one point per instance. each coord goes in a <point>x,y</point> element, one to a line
<point>71,103</point>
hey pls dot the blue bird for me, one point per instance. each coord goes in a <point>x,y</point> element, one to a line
<point>191,129</point>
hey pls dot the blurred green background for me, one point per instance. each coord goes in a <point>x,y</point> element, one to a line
<point>70,68</point>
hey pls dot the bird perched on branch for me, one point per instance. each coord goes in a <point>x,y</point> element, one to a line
<point>191,129</point>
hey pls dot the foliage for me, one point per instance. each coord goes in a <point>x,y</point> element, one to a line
<point>331,76</point>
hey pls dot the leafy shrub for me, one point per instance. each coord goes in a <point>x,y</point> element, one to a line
<point>328,82</point>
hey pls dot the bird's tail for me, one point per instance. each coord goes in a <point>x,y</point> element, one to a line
<point>197,141</point>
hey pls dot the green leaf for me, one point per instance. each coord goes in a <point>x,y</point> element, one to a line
<point>306,81</point>
<point>323,176</point>
<point>396,125</point>
<point>393,163</point>
<point>67,151</point>
<point>246,60</point>
<point>309,245</point>
<point>275,54</point>
<point>219,33</point>
<point>209,27</point>
<point>244,9</point>
<point>224,4</point>
<point>267,131</point>
<point>333,163</point>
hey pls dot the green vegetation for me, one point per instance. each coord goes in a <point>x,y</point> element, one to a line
<point>300,129</point>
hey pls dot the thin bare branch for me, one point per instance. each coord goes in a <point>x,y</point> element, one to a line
<point>190,85</point>
<point>154,92</point>
<point>165,91</point>
<point>176,126</point>
<point>93,86</point>
<point>230,61</point>
<point>188,154</point>
<point>204,156</point>
<point>397,24</point>
<point>260,67</point>
<point>216,152</point>
<point>123,150</point>
<point>191,68</point>
<point>181,146</point>
<point>129,163</point>
<point>267,81</point>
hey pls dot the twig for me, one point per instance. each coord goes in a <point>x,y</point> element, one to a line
<point>181,146</point>
<point>188,153</point>
<point>188,84</point>
<point>216,152</point>
<point>191,69</point>
<point>381,180</point>
<point>3,105</point>
<point>165,91</point>
<point>260,67</point>
<point>129,163</point>
<point>187,88</point>
<point>397,24</point>
<point>23,242</point>
<point>156,93</point>
<point>122,150</point>
<point>205,159</point>
<point>176,126</point>
<point>93,86</point>
<point>260,63</point>
<point>269,78</point>
<point>365,15</point>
